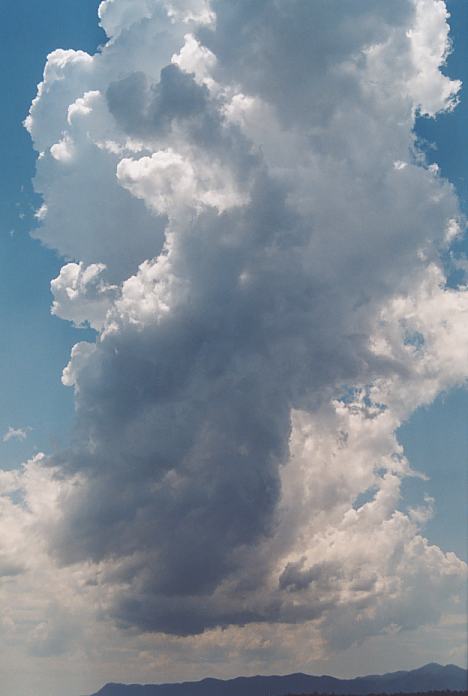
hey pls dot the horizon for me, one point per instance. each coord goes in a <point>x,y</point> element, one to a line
<point>421,669</point>
<point>289,674</point>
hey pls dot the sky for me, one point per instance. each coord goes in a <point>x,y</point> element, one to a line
<point>233,427</point>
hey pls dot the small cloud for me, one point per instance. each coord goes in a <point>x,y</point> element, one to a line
<point>16,433</point>
<point>41,212</point>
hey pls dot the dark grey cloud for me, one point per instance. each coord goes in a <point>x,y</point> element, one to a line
<point>289,55</point>
<point>276,245</point>
<point>142,109</point>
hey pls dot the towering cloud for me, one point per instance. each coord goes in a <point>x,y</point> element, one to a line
<point>255,236</point>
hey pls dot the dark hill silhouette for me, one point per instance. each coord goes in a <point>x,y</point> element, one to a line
<point>415,693</point>
<point>431,677</point>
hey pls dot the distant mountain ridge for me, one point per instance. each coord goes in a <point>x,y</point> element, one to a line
<point>431,677</point>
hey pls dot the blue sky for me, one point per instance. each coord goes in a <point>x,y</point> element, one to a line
<point>208,378</point>
<point>33,396</point>
<point>436,438</point>
<point>35,345</point>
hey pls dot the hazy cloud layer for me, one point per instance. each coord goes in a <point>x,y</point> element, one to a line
<point>255,236</point>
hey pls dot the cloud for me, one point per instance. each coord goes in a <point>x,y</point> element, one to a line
<point>15,434</point>
<point>270,306</point>
<point>81,295</point>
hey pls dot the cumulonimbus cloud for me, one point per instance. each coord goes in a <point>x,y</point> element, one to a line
<point>255,236</point>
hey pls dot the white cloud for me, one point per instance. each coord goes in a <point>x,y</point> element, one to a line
<point>81,295</point>
<point>429,46</point>
<point>195,58</point>
<point>169,184</point>
<point>115,15</point>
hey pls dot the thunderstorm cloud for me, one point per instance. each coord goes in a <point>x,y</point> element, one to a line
<point>255,236</point>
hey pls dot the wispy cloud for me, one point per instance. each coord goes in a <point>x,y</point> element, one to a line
<point>16,433</point>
